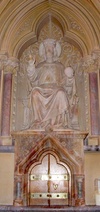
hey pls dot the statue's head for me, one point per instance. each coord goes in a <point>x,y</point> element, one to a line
<point>50,49</point>
<point>49,41</point>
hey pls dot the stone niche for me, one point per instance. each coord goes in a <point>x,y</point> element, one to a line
<point>67,55</point>
<point>49,168</point>
<point>49,123</point>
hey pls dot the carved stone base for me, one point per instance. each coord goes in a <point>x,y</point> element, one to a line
<point>42,154</point>
<point>18,202</point>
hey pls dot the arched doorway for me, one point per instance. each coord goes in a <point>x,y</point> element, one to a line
<point>49,181</point>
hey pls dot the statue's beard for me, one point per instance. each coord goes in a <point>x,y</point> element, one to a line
<point>49,58</point>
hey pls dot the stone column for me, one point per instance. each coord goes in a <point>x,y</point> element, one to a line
<point>91,65</point>
<point>18,191</point>
<point>99,92</point>
<point>94,80</point>
<point>1,97</point>
<point>94,103</point>
<point>79,190</point>
<point>6,107</point>
<point>8,66</point>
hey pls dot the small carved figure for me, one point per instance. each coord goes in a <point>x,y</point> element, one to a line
<point>70,87</point>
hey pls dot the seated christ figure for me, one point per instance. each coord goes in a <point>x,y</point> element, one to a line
<point>49,102</point>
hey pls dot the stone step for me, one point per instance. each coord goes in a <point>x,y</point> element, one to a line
<point>50,209</point>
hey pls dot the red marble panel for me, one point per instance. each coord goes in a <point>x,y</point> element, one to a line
<point>94,103</point>
<point>0,104</point>
<point>6,104</point>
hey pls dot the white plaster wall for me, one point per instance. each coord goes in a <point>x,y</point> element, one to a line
<point>6,178</point>
<point>92,171</point>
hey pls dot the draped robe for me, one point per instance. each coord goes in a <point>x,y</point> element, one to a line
<point>49,100</point>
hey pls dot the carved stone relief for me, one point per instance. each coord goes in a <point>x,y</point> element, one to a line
<point>70,56</point>
<point>75,26</point>
<point>37,83</point>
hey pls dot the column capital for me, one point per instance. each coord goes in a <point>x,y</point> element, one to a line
<point>8,64</point>
<point>91,62</point>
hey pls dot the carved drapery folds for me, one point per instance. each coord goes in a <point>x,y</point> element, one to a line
<point>70,56</point>
<point>82,67</point>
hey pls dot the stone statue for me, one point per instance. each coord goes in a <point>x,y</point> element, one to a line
<point>52,89</point>
<point>70,87</point>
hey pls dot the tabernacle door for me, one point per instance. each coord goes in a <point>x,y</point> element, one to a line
<point>49,183</point>
<point>59,183</point>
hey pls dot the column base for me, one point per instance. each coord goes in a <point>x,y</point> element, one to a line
<point>18,202</point>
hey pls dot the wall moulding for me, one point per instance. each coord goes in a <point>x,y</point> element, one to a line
<point>6,141</point>
<point>28,24</point>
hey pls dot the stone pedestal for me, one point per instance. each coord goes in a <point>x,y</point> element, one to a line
<point>65,146</point>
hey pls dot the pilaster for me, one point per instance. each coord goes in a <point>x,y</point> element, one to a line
<point>8,68</point>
